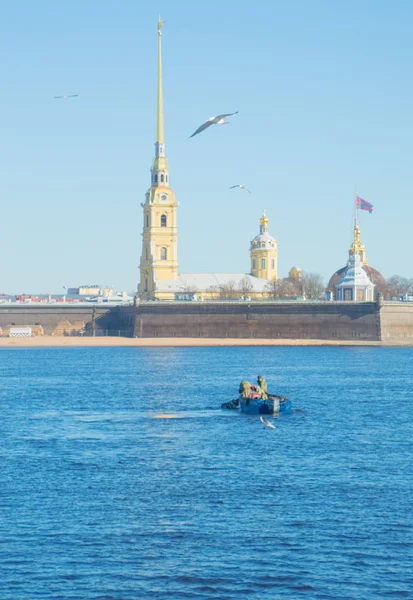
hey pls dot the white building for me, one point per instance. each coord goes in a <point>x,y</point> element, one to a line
<point>355,286</point>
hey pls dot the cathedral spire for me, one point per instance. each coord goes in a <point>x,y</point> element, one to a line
<point>264,222</point>
<point>160,173</point>
<point>357,247</point>
<point>159,113</point>
<point>159,258</point>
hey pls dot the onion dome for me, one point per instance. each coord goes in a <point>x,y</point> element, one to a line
<point>357,248</point>
<point>263,239</point>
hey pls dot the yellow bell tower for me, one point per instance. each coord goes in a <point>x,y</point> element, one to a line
<point>159,259</point>
<point>264,253</point>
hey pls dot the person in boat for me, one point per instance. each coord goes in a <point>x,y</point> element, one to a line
<point>262,385</point>
<point>244,388</point>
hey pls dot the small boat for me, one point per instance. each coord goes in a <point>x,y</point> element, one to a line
<point>257,406</point>
<point>272,406</point>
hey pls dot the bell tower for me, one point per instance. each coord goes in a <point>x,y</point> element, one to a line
<point>159,258</point>
<point>264,253</point>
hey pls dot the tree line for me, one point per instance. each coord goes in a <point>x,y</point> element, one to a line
<point>398,286</point>
<point>305,285</point>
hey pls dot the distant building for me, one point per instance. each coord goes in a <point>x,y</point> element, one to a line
<point>91,290</point>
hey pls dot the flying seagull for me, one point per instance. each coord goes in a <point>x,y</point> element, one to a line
<point>219,120</point>
<point>66,97</point>
<point>240,185</point>
<point>267,423</point>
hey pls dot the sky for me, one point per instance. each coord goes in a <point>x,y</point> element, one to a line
<point>324,93</point>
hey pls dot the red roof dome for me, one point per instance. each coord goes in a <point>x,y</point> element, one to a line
<point>374,275</point>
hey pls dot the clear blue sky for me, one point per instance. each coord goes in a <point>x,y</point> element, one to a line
<point>324,91</point>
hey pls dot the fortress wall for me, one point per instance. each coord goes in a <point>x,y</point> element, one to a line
<point>285,320</point>
<point>55,320</point>
<point>321,320</point>
<point>396,322</point>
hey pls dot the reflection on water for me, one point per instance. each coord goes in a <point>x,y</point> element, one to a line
<point>122,478</point>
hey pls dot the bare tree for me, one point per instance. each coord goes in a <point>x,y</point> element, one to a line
<point>382,288</point>
<point>312,285</point>
<point>399,286</point>
<point>290,288</point>
<point>272,288</point>
<point>228,290</point>
<point>283,288</point>
<point>245,286</point>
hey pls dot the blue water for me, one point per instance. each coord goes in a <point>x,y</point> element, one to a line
<point>103,497</point>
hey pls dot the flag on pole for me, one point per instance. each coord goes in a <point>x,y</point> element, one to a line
<point>363,204</point>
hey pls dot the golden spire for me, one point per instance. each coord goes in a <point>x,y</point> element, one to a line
<point>159,113</point>
<point>264,223</point>
<point>264,219</point>
<point>160,174</point>
<point>357,247</point>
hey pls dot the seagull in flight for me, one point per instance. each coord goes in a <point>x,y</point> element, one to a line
<point>241,186</point>
<point>267,423</point>
<point>219,120</point>
<point>66,97</point>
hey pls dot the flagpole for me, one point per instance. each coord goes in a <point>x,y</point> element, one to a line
<point>355,206</point>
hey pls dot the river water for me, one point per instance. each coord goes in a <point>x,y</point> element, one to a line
<point>122,478</point>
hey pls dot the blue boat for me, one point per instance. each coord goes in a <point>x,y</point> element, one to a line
<point>272,406</point>
<point>256,406</point>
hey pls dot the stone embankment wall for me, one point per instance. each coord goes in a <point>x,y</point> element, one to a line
<point>55,320</point>
<point>318,320</point>
<point>364,321</point>
<point>397,322</point>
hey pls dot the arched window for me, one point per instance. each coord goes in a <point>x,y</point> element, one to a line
<point>161,178</point>
<point>254,263</point>
<point>156,179</point>
<point>164,254</point>
<point>146,253</point>
<point>263,263</point>
<point>163,221</point>
<point>146,284</point>
<point>147,220</point>
<point>273,263</point>
<point>166,178</point>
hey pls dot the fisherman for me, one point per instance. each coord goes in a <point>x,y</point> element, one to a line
<point>262,384</point>
<point>244,388</point>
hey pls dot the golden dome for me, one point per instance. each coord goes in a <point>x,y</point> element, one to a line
<point>295,273</point>
<point>264,220</point>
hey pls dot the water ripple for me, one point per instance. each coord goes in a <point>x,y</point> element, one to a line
<point>122,478</point>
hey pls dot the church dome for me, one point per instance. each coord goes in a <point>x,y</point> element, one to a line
<point>373,274</point>
<point>263,239</point>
